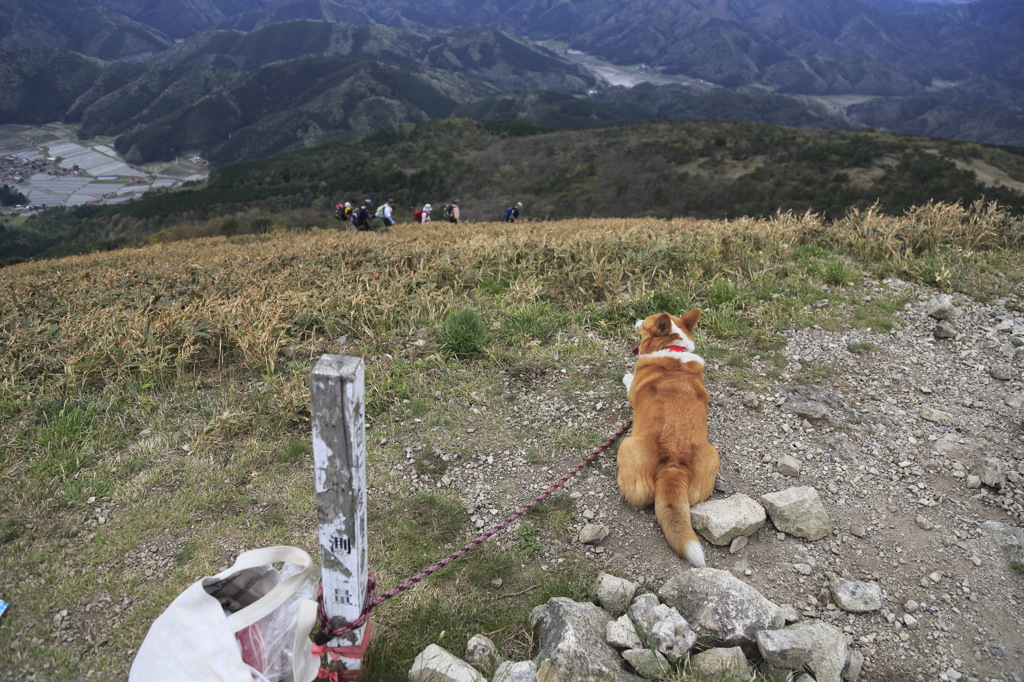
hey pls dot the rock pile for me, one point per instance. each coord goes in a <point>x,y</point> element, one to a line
<point>627,636</point>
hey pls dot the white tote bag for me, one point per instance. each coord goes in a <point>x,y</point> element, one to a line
<point>250,622</point>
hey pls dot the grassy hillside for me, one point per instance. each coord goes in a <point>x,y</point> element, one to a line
<point>40,84</point>
<point>620,105</point>
<point>980,109</point>
<point>661,170</point>
<point>155,417</point>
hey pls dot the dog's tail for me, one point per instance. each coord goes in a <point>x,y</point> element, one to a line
<point>672,509</point>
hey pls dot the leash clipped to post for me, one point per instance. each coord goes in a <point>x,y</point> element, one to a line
<point>337,386</point>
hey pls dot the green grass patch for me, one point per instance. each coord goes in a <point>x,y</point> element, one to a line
<point>430,464</point>
<point>528,540</point>
<point>464,334</point>
<point>490,590</point>
<point>838,272</point>
<point>878,315</point>
<point>418,530</point>
<point>536,454</point>
<point>737,360</point>
<point>720,292</point>
<point>818,375</point>
<point>495,285</point>
<point>531,323</point>
<point>294,450</point>
<point>725,323</point>
<point>554,514</point>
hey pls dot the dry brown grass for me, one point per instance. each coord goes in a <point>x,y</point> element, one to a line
<point>171,309</point>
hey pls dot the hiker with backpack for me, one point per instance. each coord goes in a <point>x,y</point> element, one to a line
<point>422,215</point>
<point>452,213</point>
<point>345,213</point>
<point>512,213</point>
<point>361,221</point>
<point>384,212</point>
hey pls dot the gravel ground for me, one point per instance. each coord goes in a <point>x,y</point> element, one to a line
<point>893,435</point>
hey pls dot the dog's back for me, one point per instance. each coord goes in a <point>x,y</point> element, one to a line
<point>667,460</point>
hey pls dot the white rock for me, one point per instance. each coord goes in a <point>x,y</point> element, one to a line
<point>856,596</point>
<point>941,307</point>
<point>621,634</point>
<point>644,611</point>
<point>830,652</point>
<point>716,604</point>
<point>719,521</point>
<point>854,666</point>
<point>787,648</point>
<point>520,671</point>
<point>788,465</point>
<point>482,653</point>
<point>648,664</point>
<point>992,472</point>
<point>672,637</point>
<point>937,416</point>
<point>799,512</point>
<point>614,594</point>
<point>720,660</point>
<point>593,534</point>
<point>435,664</point>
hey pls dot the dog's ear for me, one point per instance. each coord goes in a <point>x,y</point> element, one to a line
<point>662,325</point>
<point>689,320</point>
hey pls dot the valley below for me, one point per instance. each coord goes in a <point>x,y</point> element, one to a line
<point>102,176</point>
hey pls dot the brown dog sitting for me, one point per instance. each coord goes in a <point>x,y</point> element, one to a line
<point>667,459</point>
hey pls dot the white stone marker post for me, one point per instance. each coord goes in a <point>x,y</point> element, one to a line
<point>339,458</point>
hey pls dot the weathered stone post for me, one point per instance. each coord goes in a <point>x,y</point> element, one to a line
<point>339,457</point>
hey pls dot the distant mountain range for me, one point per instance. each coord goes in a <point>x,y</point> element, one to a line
<point>879,47</point>
<point>236,95</point>
<point>239,79</point>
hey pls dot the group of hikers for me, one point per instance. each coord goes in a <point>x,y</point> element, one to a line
<point>361,217</point>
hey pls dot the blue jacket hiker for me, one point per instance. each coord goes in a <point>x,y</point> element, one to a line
<point>512,213</point>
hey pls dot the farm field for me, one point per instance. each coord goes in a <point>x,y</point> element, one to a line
<point>103,171</point>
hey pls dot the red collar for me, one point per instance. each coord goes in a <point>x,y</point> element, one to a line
<point>671,349</point>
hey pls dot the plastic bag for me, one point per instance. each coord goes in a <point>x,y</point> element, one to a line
<point>250,622</point>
